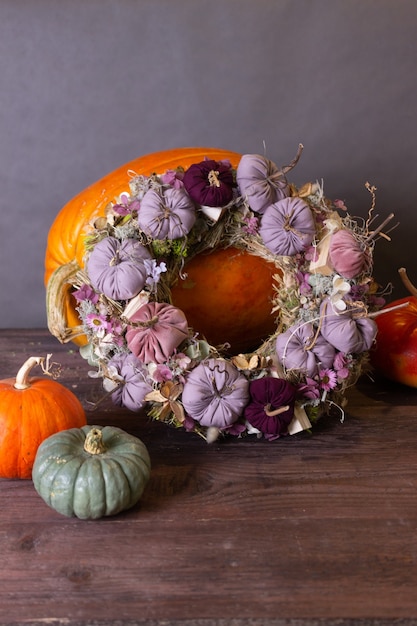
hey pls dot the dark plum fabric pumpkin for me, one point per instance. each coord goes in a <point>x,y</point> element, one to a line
<point>287,227</point>
<point>260,181</point>
<point>134,384</point>
<point>157,329</point>
<point>168,216</point>
<point>210,183</point>
<point>344,331</point>
<point>301,348</point>
<point>266,396</point>
<point>215,393</point>
<point>116,268</point>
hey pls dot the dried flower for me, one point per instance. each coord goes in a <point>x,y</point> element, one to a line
<point>86,292</point>
<point>97,322</point>
<point>328,379</point>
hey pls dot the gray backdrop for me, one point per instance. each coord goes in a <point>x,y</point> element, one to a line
<point>87,85</point>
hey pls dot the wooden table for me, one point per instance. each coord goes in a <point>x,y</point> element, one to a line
<point>310,529</point>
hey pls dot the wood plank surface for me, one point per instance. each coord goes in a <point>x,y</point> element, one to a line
<point>310,529</point>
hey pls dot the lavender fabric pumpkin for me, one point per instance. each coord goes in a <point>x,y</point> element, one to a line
<point>301,348</point>
<point>158,328</point>
<point>116,268</point>
<point>210,183</point>
<point>215,393</point>
<point>346,254</point>
<point>169,216</point>
<point>287,227</point>
<point>346,333</point>
<point>268,397</point>
<point>260,181</point>
<point>134,384</point>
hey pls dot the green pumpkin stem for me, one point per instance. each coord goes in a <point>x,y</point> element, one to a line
<point>94,442</point>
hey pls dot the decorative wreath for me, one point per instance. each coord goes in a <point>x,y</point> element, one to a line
<point>141,345</point>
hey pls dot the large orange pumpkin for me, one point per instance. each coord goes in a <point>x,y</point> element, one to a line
<point>227,295</point>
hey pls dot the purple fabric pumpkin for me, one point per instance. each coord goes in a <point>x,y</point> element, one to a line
<point>268,397</point>
<point>116,268</point>
<point>347,334</point>
<point>215,393</point>
<point>298,348</point>
<point>158,328</point>
<point>168,216</point>
<point>260,181</point>
<point>287,227</point>
<point>134,385</point>
<point>210,183</point>
<point>346,254</point>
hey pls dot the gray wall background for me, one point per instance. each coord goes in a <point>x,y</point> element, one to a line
<point>87,85</point>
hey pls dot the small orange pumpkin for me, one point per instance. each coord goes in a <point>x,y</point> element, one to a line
<point>249,317</point>
<point>32,409</point>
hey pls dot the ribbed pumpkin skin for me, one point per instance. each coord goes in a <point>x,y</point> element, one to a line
<point>28,416</point>
<point>66,236</point>
<point>89,486</point>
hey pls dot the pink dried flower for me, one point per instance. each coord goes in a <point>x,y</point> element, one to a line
<point>173,178</point>
<point>162,373</point>
<point>85,292</point>
<point>97,322</point>
<point>339,204</point>
<point>309,389</point>
<point>328,379</point>
<point>305,286</point>
<point>311,254</point>
<point>341,365</point>
<point>252,225</point>
<point>126,205</point>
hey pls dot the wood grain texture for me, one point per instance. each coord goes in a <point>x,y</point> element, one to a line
<point>312,529</point>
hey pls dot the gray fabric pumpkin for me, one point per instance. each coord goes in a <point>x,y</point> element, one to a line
<point>215,393</point>
<point>287,227</point>
<point>260,181</point>
<point>168,216</point>
<point>116,268</point>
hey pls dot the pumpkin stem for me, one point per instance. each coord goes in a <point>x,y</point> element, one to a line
<point>407,282</point>
<point>271,413</point>
<point>56,298</point>
<point>94,443</point>
<point>213,178</point>
<point>22,376</point>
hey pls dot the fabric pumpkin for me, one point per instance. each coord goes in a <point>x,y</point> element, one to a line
<point>346,254</point>
<point>117,268</point>
<point>345,332</point>
<point>210,183</point>
<point>169,216</point>
<point>133,386</point>
<point>158,329</point>
<point>287,227</point>
<point>215,393</point>
<point>268,399</point>
<point>260,181</point>
<point>298,348</point>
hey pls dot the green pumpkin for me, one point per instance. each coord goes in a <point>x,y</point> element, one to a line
<point>92,471</point>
